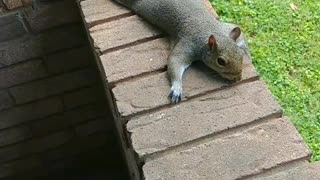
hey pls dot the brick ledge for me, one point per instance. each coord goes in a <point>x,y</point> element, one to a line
<point>158,142</point>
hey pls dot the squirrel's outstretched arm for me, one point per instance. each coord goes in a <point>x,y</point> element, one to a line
<point>179,60</point>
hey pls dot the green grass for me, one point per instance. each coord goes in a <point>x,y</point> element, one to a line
<point>285,46</point>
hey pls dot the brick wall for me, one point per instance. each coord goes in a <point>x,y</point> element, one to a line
<point>14,4</point>
<point>53,113</point>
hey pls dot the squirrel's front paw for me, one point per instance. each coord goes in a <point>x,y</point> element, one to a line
<point>175,94</point>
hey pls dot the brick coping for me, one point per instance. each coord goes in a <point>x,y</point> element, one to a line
<point>220,130</point>
<point>8,5</point>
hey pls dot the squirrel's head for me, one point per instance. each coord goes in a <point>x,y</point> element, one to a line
<point>225,57</point>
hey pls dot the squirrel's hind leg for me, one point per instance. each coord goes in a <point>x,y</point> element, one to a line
<point>179,61</point>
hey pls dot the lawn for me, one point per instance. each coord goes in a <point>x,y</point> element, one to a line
<point>284,40</point>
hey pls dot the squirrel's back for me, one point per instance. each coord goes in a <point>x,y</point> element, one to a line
<point>176,17</point>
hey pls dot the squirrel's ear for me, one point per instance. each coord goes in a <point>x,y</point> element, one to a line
<point>212,42</point>
<point>235,33</point>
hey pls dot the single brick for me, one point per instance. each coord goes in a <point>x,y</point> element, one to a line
<point>210,8</point>
<point>98,10</point>
<point>83,96</point>
<point>2,10</point>
<point>91,160</point>
<point>21,73</point>
<point>104,38</point>
<point>24,113</point>
<point>13,135</point>
<point>19,166</point>
<point>12,4</point>
<point>152,92</point>
<point>136,60</point>
<point>53,140</point>
<point>201,117</point>
<point>85,161</point>
<point>12,152</point>
<point>38,173</point>
<point>75,147</point>
<point>67,119</point>
<point>21,49</point>
<point>48,15</point>
<point>10,27</point>
<point>35,145</point>
<point>26,2</point>
<point>93,126</point>
<point>31,46</point>
<point>6,100</point>
<point>305,171</point>
<point>244,153</point>
<point>54,85</point>
<point>68,60</point>
<point>64,37</point>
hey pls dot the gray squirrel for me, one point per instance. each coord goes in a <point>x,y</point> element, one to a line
<point>195,34</point>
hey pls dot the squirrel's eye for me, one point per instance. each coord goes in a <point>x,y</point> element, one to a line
<point>221,62</point>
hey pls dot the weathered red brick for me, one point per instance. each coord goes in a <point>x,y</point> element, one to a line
<point>68,60</point>
<point>136,60</point>
<point>24,113</point>
<point>55,85</point>
<point>12,152</point>
<point>93,126</point>
<point>49,15</point>
<point>67,119</point>
<point>37,173</point>
<point>98,10</point>
<point>2,10</point>
<point>6,100</point>
<point>87,160</point>
<point>19,166</point>
<point>31,46</point>
<point>10,27</point>
<point>12,4</point>
<point>83,96</point>
<point>75,147</point>
<point>21,73</point>
<point>21,49</point>
<point>50,141</point>
<point>64,37</point>
<point>35,145</point>
<point>303,171</point>
<point>13,135</point>
<point>231,157</point>
<point>26,2</point>
<point>201,117</point>
<point>152,91</point>
<point>104,37</point>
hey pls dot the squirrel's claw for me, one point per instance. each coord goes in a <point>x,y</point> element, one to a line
<point>174,98</point>
<point>175,95</point>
